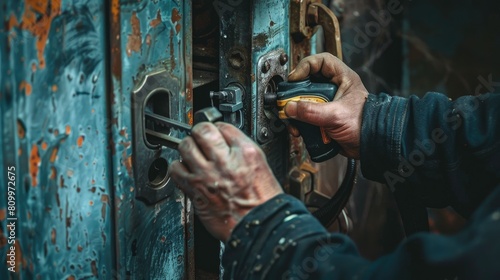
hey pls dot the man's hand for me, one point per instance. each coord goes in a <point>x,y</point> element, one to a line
<point>225,174</point>
<point>340,118</point>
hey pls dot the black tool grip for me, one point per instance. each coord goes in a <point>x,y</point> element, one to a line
<point>317,149</point>
<point>319,146</point>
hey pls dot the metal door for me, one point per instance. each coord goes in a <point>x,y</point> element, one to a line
<point>89,194</point>
<point>68,72</point>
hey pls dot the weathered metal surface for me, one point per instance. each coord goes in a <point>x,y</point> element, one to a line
<point>147,36</point>
<point>54,132</point>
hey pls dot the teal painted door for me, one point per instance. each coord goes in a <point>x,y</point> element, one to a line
<point>68,73</point>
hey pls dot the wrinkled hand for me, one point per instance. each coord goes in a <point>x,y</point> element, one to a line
<point>225,174</point>
<point>341,118</point>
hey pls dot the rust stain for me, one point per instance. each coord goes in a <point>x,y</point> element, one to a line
<point>123,132</point>
<point>115,10</point>
<point>105,202</point>
<point>19,152</point>
<point>91,203</point>
<point>71,277</point>
<point>190,119</point>
<point>12,22</point>
<point>26,86</point>
<point>79,141</point>
<point>61,181</point>
<point>53,173</point>
<point>68,129</point>
<point>127,162</point>
<point>37,19</point>
<point>115,44</point>
<point>44,145</point>
<point>53,236</point>
<point>176,16</point>
<point>53,155</point>
<point>54,88</point>
<point>148,40</point>
<point>21,131</point>
<point>34,165</point>
<point>134,41</point>
<point>79,248</point>
<point>3,214</point>
<point>156,21</point>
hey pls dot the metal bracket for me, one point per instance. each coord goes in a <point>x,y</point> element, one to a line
<point>230,101</point>
<point>272,68</point>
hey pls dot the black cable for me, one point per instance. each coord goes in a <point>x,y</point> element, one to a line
<point>332,209</point>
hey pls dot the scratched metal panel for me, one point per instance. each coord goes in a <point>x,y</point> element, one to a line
<point>268,31</point>
<point>53,115</point>
<point>147,36</point>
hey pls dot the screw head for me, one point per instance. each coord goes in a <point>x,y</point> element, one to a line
<point>283,59</point>
<point>264,132</point>
<point>266,66</point>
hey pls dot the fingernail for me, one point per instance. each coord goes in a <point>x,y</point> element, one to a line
<point>291,109</point>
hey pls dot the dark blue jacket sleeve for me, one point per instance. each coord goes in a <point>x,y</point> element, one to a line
<point>446,153</point>
<point>281,240</point>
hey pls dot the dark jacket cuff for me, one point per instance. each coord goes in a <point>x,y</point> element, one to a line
<point>384,119</point>
<point>265,226</point>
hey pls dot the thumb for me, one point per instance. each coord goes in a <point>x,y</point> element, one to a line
<point>318,114</point>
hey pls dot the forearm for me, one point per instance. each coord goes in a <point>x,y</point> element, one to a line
<point>438,147</point>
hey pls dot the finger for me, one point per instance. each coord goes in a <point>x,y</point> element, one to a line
<point>232,135</point>
<point>319,114</point>
<point>325,64</point>
<point>180,174</point>
<point>191,155</point>
<point>210,140</point>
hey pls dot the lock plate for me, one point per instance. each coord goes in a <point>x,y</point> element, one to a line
<point>158,95</point>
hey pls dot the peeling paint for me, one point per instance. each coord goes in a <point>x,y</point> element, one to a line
<point>34,165</point>
<point>53,173</point>
<point>53,154</point>
<point>79,141</point>
<point>156,21</point>
<point>26,86</point>
<point>37,19</point>
<point>135,39</point>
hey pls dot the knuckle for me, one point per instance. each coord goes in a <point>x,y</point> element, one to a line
<point>202,129</point>
<point>305,109</point>
<point>251,151</point>
<point>186,145</point>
